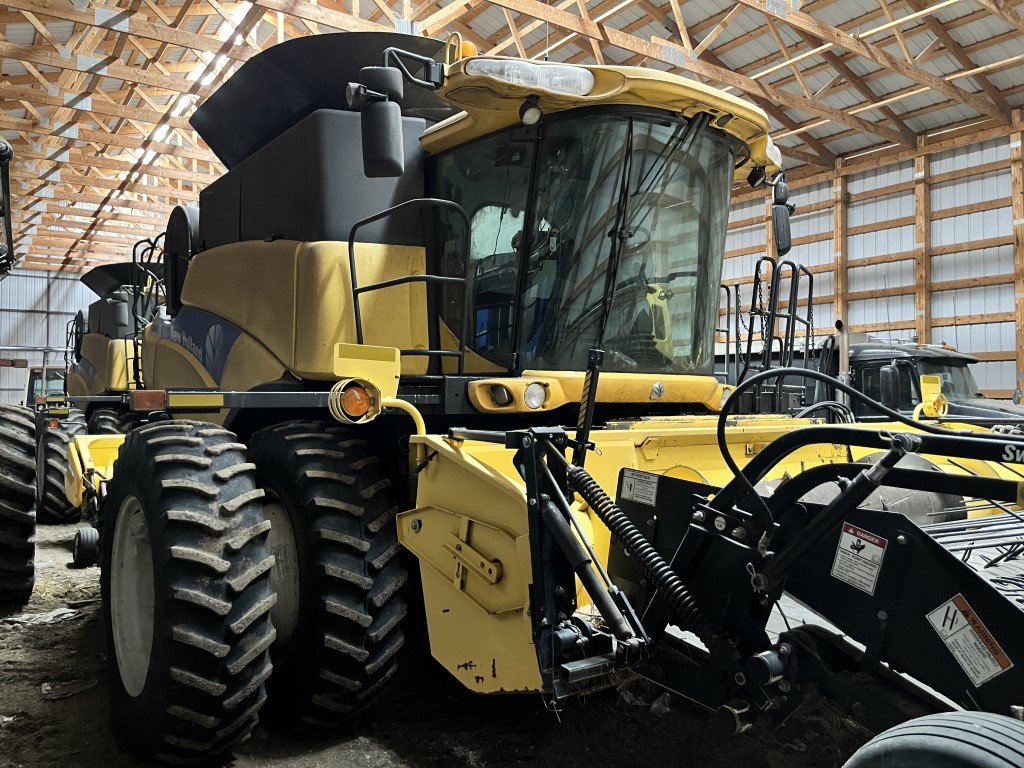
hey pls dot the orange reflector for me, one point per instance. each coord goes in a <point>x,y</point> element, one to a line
<point>355,401</point>
<point>148,400</point>
<point>53,423</point>
<point>40,399</point>
<point>467,49</point>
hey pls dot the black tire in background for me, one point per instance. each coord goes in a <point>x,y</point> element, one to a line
<point>85,549</point>
<point>52,507</point>
<point>946,740</point>
<point>185,582</point>
<point>337,576</point>
<point>111,421</point>
<point>75,422</point>
<point>17,498</point>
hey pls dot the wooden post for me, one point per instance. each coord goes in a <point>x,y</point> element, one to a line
<point>922,248</point>
<point>1017,193</point>
<point>839,243</point>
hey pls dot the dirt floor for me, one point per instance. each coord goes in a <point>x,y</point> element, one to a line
<point>426,721</point>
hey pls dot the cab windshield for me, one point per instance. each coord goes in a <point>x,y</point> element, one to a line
<point>957,380</point>
<point>607,231</point>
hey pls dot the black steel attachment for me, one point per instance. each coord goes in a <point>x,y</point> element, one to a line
<point>595,358</point>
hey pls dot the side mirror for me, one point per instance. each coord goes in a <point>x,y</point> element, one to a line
<point>379,96</point>
<point>781,209</point>
<point>889,386</point>
<point>781,230</point>
<point>383,142</point>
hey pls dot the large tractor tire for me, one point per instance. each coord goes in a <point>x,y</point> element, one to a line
<point>337,576</point>
<point>52,507</point>
<point>185,582</point>
<point>17,497</point>
<point>946,740</point>
<point>111,421</point>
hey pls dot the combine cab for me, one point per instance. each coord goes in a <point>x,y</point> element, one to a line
<point>376,321</point>
<point>104,339</point>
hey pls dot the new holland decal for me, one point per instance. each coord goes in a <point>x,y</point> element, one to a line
<point>208,337</point>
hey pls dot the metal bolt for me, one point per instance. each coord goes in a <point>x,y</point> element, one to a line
<point>415,526</point>
<point>901,539</point>
<point>785,649</point>
<point>740,679</point>
<point>784,686</point>
<point>560,591</point>
<point>698,516</point>
<point>882,615</point>
<point>739,533</point>
<point>720,523</point>
<point>527,442</point>
<point>533,502</point>
<point>650,523</point>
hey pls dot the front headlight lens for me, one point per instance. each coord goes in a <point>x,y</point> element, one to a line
<point>535,395</point>
<point>559,78</point>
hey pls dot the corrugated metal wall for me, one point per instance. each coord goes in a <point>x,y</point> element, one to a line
<point>35,308</point>
<point>969,247</point>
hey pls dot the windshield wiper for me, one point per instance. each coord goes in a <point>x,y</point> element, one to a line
<point>623,229</point>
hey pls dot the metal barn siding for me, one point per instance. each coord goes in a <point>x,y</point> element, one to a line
<point>35,308</point>
<point>946,216</point>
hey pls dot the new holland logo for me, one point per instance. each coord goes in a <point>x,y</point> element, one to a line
<point>214,346</point>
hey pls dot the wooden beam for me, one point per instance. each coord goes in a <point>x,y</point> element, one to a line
<point>855,44</point>
<point>129,22</point>
<point>842,69</point>
<point>1017,185</point>
<point>839,243</point>
<point>922,250</point>
<point>1003,10</point>
<point>957,52</point>
<point>91,64</point>
<point>719,29</point>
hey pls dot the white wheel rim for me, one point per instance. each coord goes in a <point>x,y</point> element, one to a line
<point>131,596</point>
<point>284,576</point>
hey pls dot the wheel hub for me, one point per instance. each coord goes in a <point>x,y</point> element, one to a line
<point>132,599</point>
<point>284,577</point>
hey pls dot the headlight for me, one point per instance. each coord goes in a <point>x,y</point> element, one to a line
<point>535,395</point>
<point>559,78</point>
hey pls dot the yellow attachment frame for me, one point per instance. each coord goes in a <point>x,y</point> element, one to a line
<point>470,530</point>
<point>90,462</point>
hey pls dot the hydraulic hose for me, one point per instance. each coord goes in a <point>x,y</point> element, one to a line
<point>658,572</point>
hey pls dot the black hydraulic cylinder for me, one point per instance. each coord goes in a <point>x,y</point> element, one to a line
<point>581,563</point>
<point>858,489</point>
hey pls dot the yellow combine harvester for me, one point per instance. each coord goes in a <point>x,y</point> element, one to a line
<point>409,275</point>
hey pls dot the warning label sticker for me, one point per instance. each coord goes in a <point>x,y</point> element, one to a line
<point>859,558</point>
<point>640,487</point>
<point>969,640</point>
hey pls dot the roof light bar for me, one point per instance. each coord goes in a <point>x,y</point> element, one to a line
<point>558,78</point>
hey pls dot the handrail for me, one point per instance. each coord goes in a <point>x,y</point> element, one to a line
<point>357,291</point>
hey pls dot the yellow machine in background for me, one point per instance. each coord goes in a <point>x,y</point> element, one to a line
<point>105,364</point>
<point>375,323</point>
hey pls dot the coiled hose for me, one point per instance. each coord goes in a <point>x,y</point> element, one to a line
<point>653,565</point>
